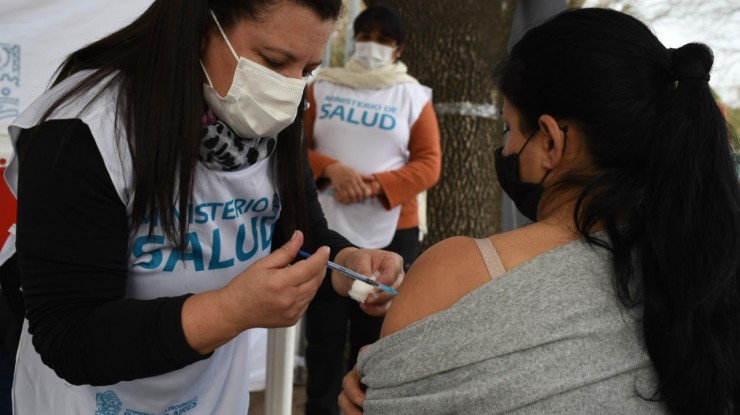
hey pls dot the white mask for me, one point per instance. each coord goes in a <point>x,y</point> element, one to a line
<point>373,55</point>
<point>259,103</point>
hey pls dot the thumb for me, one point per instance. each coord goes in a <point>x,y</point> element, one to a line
<point>282,257</point>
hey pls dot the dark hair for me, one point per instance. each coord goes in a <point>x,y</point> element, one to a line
<point>665,187</point>
<point>382,18</point>
<point>155,61</point>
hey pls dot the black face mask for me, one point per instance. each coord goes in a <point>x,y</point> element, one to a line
<point>526,196</point>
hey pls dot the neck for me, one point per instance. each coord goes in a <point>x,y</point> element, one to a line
<point>557,211</point>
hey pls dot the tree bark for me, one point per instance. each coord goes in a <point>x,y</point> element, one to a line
<point>454,47</point>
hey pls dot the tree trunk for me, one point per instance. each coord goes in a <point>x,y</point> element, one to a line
<point>454,47</point>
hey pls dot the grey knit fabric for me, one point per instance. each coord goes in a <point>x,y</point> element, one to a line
<point>549,336</point>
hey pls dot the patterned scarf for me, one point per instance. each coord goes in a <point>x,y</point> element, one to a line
<point>221,149</point>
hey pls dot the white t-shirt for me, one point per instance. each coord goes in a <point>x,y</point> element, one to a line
<point>368,130</point>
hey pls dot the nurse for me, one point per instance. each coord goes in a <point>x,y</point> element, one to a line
<point>163,191</point>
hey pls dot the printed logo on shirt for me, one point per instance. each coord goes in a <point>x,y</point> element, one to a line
<point>359,113</point>
<point>10,81</point>
<point>257,219</point>
<point>108,403</point>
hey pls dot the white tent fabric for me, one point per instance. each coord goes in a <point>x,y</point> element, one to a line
<point>35,36</point>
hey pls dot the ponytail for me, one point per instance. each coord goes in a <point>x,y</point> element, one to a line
<point>689,251</point>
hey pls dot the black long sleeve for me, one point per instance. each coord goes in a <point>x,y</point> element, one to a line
<point>72,238</point>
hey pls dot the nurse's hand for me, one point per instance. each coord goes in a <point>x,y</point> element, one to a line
<point>352,395</point>
<point>270,293</point>
<point>388,265</point>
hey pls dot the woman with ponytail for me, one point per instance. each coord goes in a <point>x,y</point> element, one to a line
<point>154,179</point>
<point>623,296</point>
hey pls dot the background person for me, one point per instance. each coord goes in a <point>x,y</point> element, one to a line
<point>153,180</point>
<point>624,295</point>
<point>374,146</point>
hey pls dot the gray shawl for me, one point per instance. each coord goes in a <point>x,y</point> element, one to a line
<point>549,336</point>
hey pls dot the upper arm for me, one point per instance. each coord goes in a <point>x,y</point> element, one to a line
<point>438,278</point>
<point>68,209</point>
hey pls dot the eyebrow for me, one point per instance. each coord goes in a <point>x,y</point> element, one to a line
<point>290,56</point>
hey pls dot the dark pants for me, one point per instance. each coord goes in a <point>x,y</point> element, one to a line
<point>328,320</point>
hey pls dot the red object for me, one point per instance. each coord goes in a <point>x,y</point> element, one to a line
<point>8,208</point>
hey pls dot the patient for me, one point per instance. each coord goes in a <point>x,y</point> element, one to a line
<point>624,295</point>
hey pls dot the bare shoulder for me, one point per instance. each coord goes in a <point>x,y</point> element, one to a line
<point>520,245</point>
<point>442,275</point>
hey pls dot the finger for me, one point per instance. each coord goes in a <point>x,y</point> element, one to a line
<point>395,280</point>
<point>340,187</point>
<point>310,270</point>
<point>391,271</point>
<point>352,193</point>
<point>283,256</point>
<point>345,196</point>
<point>375,310</point>
<point>346,406</point>
<point>368,190</point>
<point>310,286</point>
<point>352,387</point>
<point>380,297</point>
<point>359,187</point>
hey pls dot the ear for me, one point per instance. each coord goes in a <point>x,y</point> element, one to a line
<point>553,141</point>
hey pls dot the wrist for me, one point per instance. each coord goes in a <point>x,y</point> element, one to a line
<point>207,321</point>
<point>328,169</point>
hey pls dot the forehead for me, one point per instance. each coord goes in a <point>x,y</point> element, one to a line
<point>287,26</point>
<point>508,110</point>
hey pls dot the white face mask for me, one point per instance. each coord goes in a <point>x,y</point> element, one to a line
<point>373,55</point>
<point>259,103</point>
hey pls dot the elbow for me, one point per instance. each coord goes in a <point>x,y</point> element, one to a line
<point>57,363</point>
<point>437,175</point>
<point>61,351</point>
<point>433,170</point>
<point>54,356</point>
<point>71,368</point>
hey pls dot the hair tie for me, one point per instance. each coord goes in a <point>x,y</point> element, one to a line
<point>679,75</point>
